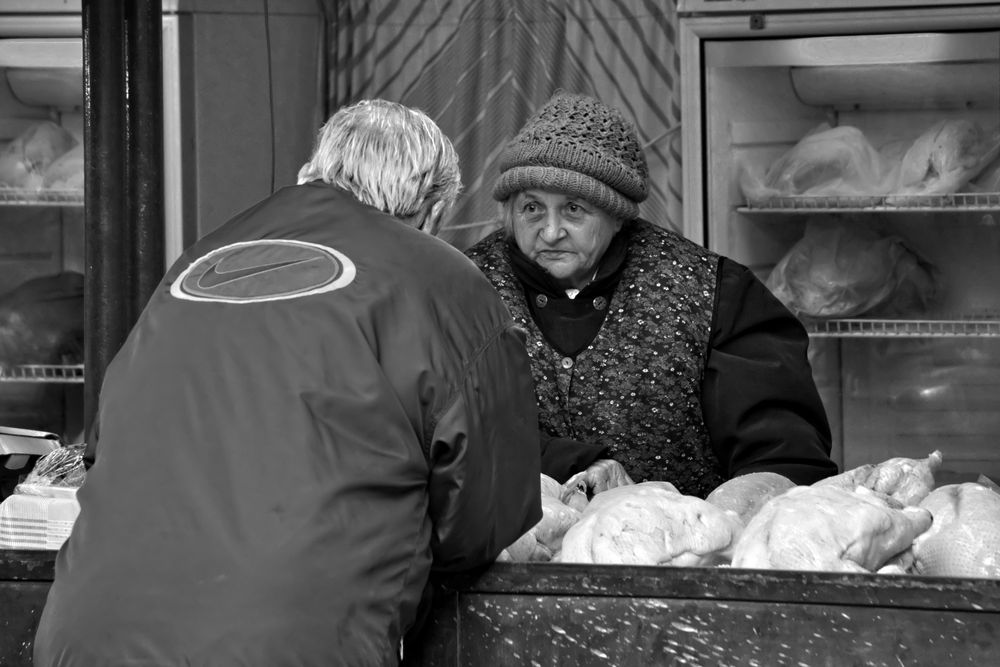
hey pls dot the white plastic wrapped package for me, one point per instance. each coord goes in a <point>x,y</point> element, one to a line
<point>842,268</point>
<point>41,512</point>
<point>829,161</point>
<point>25,159</point>
<point>944,158</point>
<point>66,172</point>
<point>842,162</point>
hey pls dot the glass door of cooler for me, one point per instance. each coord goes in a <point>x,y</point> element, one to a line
<point>41,228</point>
<point>852,161</point>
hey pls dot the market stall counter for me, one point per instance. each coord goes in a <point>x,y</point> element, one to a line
<point>543,614</point>
<point>25,577</point>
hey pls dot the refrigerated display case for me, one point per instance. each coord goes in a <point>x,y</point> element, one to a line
<point>847,153</point>
<point>242,100</point>
<point>41,223</point>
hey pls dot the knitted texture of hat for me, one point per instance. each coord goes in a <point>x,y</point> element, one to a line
<point>578,145</point>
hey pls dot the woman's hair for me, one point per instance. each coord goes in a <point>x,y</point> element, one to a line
<point>505,213</point>
<point>389,156</point>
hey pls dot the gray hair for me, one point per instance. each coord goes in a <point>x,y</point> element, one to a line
<point>506,215</point>
<point>390,156</point>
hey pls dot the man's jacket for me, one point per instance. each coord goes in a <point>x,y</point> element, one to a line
<point>318,406</point>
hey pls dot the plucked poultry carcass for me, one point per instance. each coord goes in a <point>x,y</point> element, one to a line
<point>24,160</point>
<point>828,528</point>
<point>964,540</point>
<point>841,268</point>
<point>600,476</point>
<point>66,171</point>
<point>829,161</point>
<point>746,494</point>
<point>650,523</point>
<point>944,158</point>
<point>905,480</point>
<point>544,539</point>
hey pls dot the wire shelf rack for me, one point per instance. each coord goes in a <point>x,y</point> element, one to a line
<point>17,197</point>
<point>873,328</point>
<point>71,373</point>
<point>964,201</point>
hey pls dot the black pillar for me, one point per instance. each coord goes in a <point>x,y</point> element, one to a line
<point>143,50</point>
<point>123,209</point>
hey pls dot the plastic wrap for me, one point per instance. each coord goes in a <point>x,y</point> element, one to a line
<point>24,160</point>
<point>945,157</point>
<point>829,161</point>
<point>842,268</point>
<point>41,512</point>
<point>842,162</point>
<point>41,321</point>
<point>62,468</point>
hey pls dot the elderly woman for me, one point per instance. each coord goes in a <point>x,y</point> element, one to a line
<point>646,348</point>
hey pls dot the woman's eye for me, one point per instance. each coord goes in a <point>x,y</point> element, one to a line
<point>531,210</point>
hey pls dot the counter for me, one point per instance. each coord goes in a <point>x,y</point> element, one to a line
<point>25,577</point>
<point>543,614</point>
<point>549,614</point>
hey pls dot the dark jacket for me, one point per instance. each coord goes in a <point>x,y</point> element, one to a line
<point>692,371</point>
<point>319,406</point>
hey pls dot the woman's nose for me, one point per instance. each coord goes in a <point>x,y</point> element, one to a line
<point>553,229</point>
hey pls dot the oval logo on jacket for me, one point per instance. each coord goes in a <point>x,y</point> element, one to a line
<point>266,270</point>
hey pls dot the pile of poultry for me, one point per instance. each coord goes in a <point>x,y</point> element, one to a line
<point>886,518</point>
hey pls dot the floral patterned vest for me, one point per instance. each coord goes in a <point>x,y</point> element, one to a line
<point>637,386</point>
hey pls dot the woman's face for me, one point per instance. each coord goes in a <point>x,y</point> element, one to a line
<point>565,235</point>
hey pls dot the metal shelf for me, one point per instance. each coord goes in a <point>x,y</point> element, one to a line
<point>16,197</point>
<point>42,373</point>
<point>959,202</point>
<point>871,328</point>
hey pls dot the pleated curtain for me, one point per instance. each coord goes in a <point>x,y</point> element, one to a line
<point>480,68</point>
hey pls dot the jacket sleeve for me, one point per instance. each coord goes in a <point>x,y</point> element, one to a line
<point>564,457</point>
<point>760,401</point>
<point>484,457</point>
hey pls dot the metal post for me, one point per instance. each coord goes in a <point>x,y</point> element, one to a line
<point>123,179</point>
<point>104,132</point>
<point>143,43</point>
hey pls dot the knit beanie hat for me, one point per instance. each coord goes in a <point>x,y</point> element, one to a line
<point>576,144</point>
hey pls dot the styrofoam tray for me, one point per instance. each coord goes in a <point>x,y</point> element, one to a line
<point>36,522</point>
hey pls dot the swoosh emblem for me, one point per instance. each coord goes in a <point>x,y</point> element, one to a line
<point>213,277</point>
<point>250,272</point>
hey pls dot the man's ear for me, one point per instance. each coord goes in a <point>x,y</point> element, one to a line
<point>433,212</point>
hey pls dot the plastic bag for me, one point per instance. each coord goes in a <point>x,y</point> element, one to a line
<point>829,161</point>
<point>41,512</point>
<point>41,321</point>
<point>842,268</point>
<point>59,470</point>
<point>24,160</point>
<point>842,162</point>
<point>988,180</point>
<point>944,158</point>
